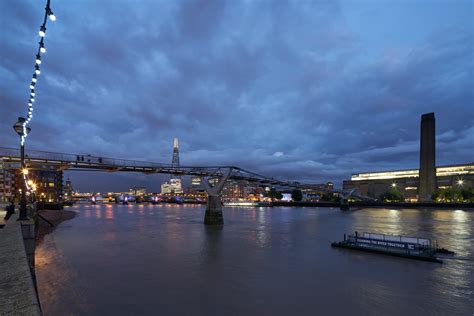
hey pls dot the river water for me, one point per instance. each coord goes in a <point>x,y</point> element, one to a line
<point>160,259</point>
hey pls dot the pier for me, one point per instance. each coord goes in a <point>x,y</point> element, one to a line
<point>399,246</point>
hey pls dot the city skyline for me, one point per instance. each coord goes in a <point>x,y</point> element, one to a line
<point>337,90</point>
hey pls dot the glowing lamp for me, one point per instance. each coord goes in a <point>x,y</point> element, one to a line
<point>50,13</point>
<point>20,128</point>
<point>42,31</point>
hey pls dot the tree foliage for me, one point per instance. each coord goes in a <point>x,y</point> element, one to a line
<point>296,195</point>
<point>274,194</point>
<point>453,195</point>
<point>392,196</point>
<point>330,197</point>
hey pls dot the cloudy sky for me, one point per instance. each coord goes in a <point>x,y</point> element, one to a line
<point>302,90</point>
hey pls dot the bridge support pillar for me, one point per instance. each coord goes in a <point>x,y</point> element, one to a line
<point>213,211</point>
<point>344,206</point>
<point>213,214</point>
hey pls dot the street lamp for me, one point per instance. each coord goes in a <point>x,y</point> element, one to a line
<point>22,130</point>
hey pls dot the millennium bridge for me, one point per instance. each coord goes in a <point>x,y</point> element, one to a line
<point>36,159</point>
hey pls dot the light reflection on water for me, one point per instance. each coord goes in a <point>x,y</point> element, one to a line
<point>147,259</point>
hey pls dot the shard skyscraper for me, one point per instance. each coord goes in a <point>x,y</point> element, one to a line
<point>175,181</point>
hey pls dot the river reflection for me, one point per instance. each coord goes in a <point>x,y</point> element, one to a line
<point>152,259</point>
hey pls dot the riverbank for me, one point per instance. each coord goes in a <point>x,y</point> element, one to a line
<point>377,204</point>
<point>54,217</point>
<point>17,289</point>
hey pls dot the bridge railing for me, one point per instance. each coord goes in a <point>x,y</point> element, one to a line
<point>80,161</point>
<point>13,153</point>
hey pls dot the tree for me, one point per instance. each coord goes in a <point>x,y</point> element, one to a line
<point>330,197</point>
<point>274,194</point>
<point>392,196</point>
<point>296,195</point>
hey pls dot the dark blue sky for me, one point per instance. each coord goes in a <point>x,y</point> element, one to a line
<point>303,90</point>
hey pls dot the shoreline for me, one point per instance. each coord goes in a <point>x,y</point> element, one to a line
<point>379,204</point>
<point>55,218</point>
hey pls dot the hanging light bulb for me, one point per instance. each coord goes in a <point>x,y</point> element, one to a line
<point>38,59</point>
<point>42,31</point>
<point>42,48</point>
<point>32,93</point>
<point>33,79</point>
<point>50,13</point>
<point>32,86</point>
<point>32,100</point>
<point>37,70</point>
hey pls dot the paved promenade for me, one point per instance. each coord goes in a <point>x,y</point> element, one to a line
<point>17,292</point>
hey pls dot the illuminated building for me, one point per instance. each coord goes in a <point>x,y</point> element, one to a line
<point>233,190</point>
<point>176,186</point>
<point>407,181</point>
<point>165,188</point>
<point>317,191</point>
<point>49,184</point>
<point>46,179</point>
<point>175,181</point>
<point>416,184</point>
<point>67,191</point>
<point>7,183</point>
<point>137,191</point>
<point>196,185</point>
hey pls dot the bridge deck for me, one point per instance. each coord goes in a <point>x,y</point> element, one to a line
<point>61,161</point>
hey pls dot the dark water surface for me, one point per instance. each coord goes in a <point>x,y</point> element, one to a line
<point>161,259</point>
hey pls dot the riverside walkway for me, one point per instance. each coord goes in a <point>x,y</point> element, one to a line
<point>17,290</point>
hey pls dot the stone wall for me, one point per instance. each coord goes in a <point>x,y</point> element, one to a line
<point>17,290</point>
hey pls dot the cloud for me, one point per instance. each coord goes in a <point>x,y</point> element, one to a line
<point>300,90</point>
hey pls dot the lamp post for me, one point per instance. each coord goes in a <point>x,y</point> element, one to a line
<point>22,130</point>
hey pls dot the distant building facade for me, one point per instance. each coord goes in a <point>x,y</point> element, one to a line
<point>416,184</point>
<point>7,183</point>
<point>317,191</point>
<point>46,179</point>
<point>165,188</point>
<point>137,191</point>
<point>407,182</point>
<point>49,184</point>
<point>68,190</point>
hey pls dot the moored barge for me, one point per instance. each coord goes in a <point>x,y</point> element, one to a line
<point>399,246</point>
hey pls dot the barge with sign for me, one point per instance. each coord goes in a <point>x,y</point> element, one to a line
<point>399,246</point>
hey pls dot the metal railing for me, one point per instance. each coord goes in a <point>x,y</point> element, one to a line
<point>81,162</point>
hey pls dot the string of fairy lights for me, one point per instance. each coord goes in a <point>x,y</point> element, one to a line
<point>34,80</point>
